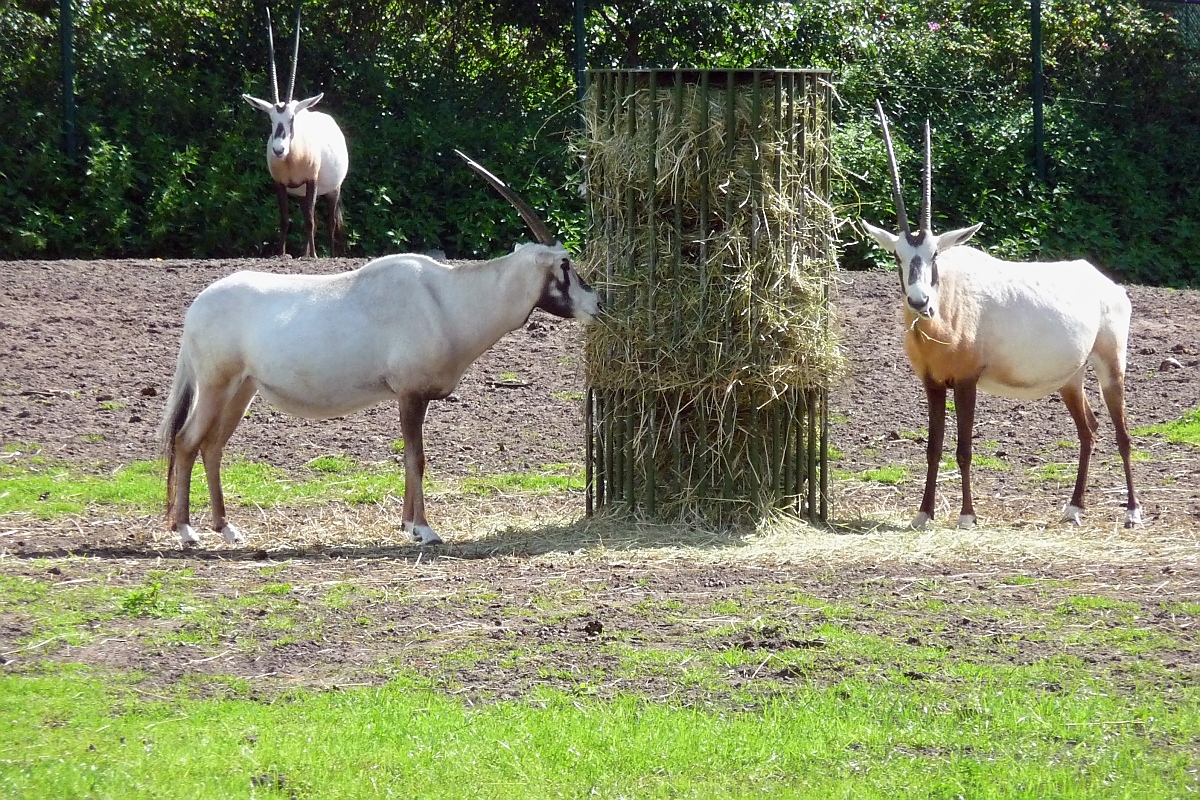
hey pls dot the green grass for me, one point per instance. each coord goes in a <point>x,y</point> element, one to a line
<point>889,473</point>
<point>48,491</point>
<point>1185,430</point>
<point>51,490</point>
<point>549,479</point>
<point>71,733</point>
<point>1056,472</point>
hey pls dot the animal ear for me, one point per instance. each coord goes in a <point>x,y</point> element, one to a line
<point>956,237</point>
<point>885,239</point>
<point>548,258</point>
<point>309,102</point>
<point>261,105</point>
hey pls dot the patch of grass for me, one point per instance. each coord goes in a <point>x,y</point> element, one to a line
<point>567,397</point>
<point>93,437</point>
<point>74,734</point>
<point>1081,604</point>
<point>111,405</point>
<point>53,490</point>
<point>1183,608</point>
<point>1056,472</point>
<point>979,461</point>
<point>549,479</point>
<point>1185,430</point>
<point>890,474</point>
<point>397,446</point>
<point>333,465</point>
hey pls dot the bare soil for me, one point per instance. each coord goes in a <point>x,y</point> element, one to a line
<point>87,352</point>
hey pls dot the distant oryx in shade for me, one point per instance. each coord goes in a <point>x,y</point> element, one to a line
<point>306,154</point>
<point>1020,330</point>
<point>402,328</point>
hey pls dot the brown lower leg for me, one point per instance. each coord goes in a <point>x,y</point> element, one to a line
<point>935,394</point>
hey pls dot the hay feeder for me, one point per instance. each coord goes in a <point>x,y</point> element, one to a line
<point>711,235</point>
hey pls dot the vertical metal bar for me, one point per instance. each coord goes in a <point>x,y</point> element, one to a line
<point>617,467</point>
<point>676,267</point>
<point>602,462</point>
<point>754,441</point>
<point>580,33</point>
<point>1039,133</point>
<point>704,449</point>
<point>589,505</point>
<point>826,195</point>
<point>650,398</point>
<point>801,425</point>
<point>811,461</point>
<point>630,264</point>
<point>66,37</point>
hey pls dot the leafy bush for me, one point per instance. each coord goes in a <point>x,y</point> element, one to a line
<point>171,159</point>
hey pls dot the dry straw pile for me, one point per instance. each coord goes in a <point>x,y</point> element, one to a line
<point>712,232</point>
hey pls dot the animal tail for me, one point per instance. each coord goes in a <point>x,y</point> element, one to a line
<point>339,221</point>
<point>179,406</point>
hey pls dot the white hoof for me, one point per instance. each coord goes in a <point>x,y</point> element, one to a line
<point>232,535</point>
<point>1133,517</point>
<point>918,524</point>
<point>1073,515</point>
<point>966,521</point>
<point>422,533</point>
<point>188,536</point>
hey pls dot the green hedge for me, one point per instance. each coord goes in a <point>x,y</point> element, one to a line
<point>171,160</point>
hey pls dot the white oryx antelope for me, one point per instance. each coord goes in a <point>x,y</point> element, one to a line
<point>1020,330</point>
<point>402,327</point>
<point>306,154</point>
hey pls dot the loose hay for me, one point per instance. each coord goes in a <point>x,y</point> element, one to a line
<point>711,227</point>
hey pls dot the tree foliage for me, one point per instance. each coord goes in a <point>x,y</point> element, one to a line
<point>171,160</point>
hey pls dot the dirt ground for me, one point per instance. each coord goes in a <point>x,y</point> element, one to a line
<point>87,351</point>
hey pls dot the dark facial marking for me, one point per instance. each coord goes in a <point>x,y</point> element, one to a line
<point>556,296</point>
<point>914,270</point>
<point>279,131</point>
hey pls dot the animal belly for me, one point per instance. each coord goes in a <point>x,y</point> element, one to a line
<point>1029,381</point>
<point>321,401</point>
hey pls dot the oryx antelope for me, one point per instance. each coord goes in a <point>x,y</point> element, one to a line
<point>306,154</point>
<point>1020,330</point>
<point>402,327</point>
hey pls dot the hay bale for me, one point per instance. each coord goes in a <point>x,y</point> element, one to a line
<point>711,226</point>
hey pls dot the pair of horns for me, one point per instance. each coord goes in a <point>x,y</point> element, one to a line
<point>897,191</point>
<point>528,214</point>
<point>295,56</point>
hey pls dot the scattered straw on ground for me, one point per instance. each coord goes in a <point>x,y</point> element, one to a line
<point>537,528</point>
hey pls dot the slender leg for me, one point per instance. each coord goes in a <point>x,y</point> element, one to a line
<point>188,442</point>
<point>333,206</point>
<point>310,222</point>
<point>935,394</point>
<point>212,450</point>
<point>412,418</point>
<point>284,221</point>
<point>1086,425</point>
<point>964,412</point>
<point>1114,398</point>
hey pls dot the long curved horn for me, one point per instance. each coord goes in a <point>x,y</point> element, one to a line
<point>927,186</point>
<point>528,214</point>
<point>295,55</point>
<point>271,49</point>
<point>897,192</point>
